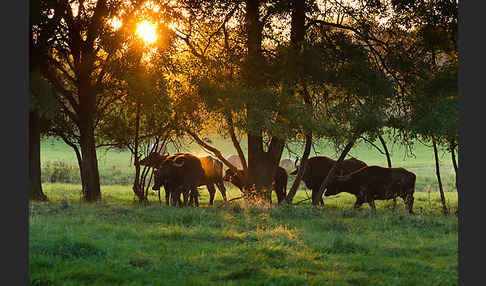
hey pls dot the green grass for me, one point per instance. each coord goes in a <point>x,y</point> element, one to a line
<point>119,242</point>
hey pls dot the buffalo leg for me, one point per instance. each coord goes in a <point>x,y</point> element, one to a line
<point>174,197</point>
<point>187,196</point>
<point>212,192</point>
<point>280,195</point>
<point>167,197</point>
<point>313,193</point>
<point>191,199</point>
<point>358,203</point>
<point>409,203</point>
<point>184,197</point>
<point>372,204</point>
<point>195,196</point>
<point>222,189</point>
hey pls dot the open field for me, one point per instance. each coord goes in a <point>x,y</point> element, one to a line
<point>119,242</point>
<point>59,162</point>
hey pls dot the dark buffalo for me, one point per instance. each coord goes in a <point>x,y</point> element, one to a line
<point>376,183</point>
<point>213,170</point>
<point>154,160</point>
<point>319,166</point>
<point>279,183</point>
<point>180,174</point>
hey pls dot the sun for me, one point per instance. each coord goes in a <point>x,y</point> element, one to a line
<point>147,32</point>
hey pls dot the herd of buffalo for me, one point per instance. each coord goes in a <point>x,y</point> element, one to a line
<point>181,174</point>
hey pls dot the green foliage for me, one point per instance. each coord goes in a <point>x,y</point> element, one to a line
<point>430,67</point>
<point>440,120</point>
<point>59,172</point>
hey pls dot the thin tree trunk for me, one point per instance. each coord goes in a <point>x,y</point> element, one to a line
<point>79,159</point>
<point>36,193</point>
<point>139,192</point>
<point>316,198</point>
<point>437,171</point>
<point>300,172</point>
<point>388,160</point>
<point>80,163</point>
<point>454,162</point>
<point>297,36</point>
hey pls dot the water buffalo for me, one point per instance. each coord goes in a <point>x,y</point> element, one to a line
<point>180,174</point>
<point>213,170</point>
<point>279,183</point>
<point>376,183</point>
<point>154,160</point>
<point>319,166</point>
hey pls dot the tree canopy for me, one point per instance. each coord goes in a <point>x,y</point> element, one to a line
<point>265,71</point>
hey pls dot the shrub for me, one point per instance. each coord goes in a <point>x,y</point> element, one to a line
<point>59,172</point>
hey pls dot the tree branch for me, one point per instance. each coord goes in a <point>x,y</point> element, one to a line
<point>236,143</point>
<point>212,149</point>
<point>226,19</point>
<point>372,144</point>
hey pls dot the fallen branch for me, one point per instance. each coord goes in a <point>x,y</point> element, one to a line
<point>302,201</point>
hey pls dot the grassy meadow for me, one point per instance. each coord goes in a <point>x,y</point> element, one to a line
<point>119,242</point>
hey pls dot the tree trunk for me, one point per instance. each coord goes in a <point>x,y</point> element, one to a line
<point>262,165</point>
<point>137,188</point>
<point>80,164</point>
<point>89,171</point>
<point>300,172</point>
<point>388,160</point>
<point>261,169</point>
<point>437,171</point>
<point>297,36</point>
<point>387,154</point>
<point>79,158</point>
<point>317,197</point>
<point>36,193</point>
<point>454,162</point>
